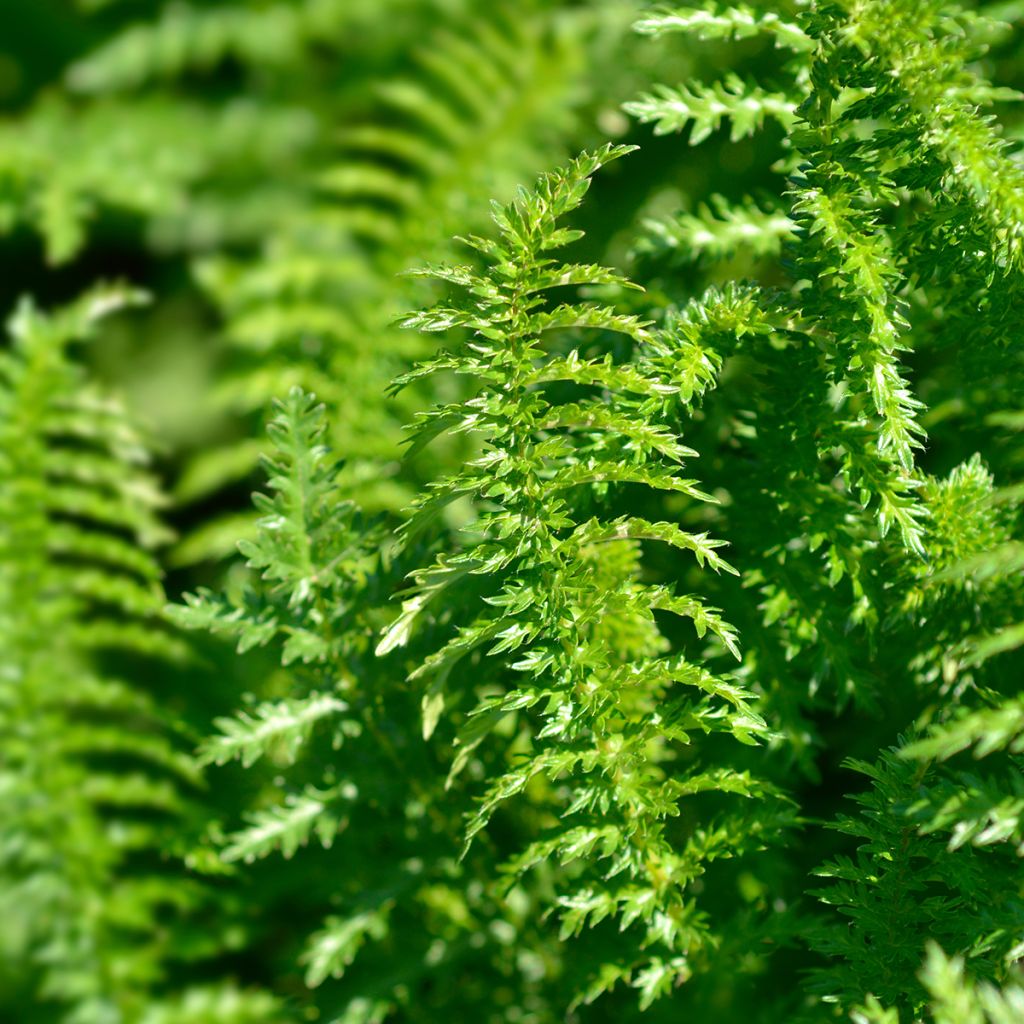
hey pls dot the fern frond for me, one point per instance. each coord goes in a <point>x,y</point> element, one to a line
<point>309,599</point>
<point>894,906</point>
<point>603,725</point>
<point>913,49</point>
<point>287,827</point>
<point>957,1000</point>
<point>278,730</point>
<point>310,547</point>
<point>716,231</point>
<point>332,950</point>
<point>703,108</point>
<point>718,21</point>
<point>984,731</point>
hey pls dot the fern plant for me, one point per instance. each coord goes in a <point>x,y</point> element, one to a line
<point>139,158</point>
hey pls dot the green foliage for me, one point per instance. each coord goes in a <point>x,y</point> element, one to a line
<point>139,159</point>
<point>902,885</point>
<point>716,232</point>
<point>539,716</point>
<point>185,37</point>
<point>954,998</point>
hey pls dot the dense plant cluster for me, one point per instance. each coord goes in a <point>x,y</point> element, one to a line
<point>628,622</point>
